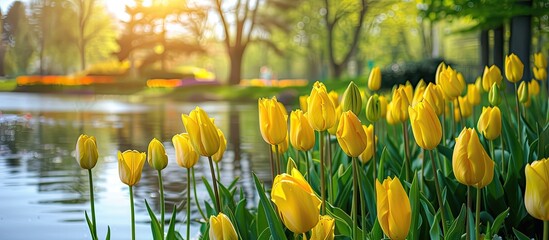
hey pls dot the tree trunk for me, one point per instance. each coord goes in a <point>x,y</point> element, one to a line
<point>235,55</point>
<point>484,50</point>
<point>521,39</point>
<point>337,70</point>
<point>498,47</point>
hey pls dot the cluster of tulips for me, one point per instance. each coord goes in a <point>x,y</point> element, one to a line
<point>389,186</point>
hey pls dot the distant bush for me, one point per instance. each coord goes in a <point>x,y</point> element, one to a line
<point>108,68</point>
<point>399,73</point>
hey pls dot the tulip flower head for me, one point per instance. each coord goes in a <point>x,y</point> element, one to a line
<point>467,158</point>
<point>302,135</point>
<point>272,121</point>
<point>433,95</point>
<point>350,134</point>
<point>536,197</point>
<point>282,147</point>
<point>321,110</point>
<point>419,93</point>
<point>297,203</point>
<point>373,108</point>
<point>352,100</point>
<point>400,103</point>
<point>523,93</point>
<point>324,229</point>
<point>334,97</point>
<point>490,76</point>
<point>156,155</point>
<point>488,171</point>
<point>374,80</point>
<point>533,88</point>
<point>86,151</point>
<point>202,131</point>
<point>441,67</point>
<point>368,152</point>
<point>303,103</point>
<point>393,208</point>
<point>130,166</point>
<point>425,125</point>
<point>221,228</point>
<point>185,155</point>
<point>540,73</point>
<point>489,122</point>
<point>222,147</point>
<point>451,84</point>
<point>513,68</point>
<point>493,96</point>
<point>383,105</point>
<point>389,117</point>
<point>333,129</point>
<point>473,95</point>
<point>540,61</point>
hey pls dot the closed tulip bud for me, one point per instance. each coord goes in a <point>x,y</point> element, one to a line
<point>272,121</point>
<point>334,97</point>
<point>185,155</point>
<point>490,76</point>
<point>441,67</point>
<point>222,147</point>
<point>488,171</point>
<point>368,152</point>
<point>489,122</point>
<point>409,89</point>
<point>478,84</point>
<point>383,104</point>
<point>523,92</point>
<point>156,155</point>
<point>465,159</point>
<point>425,125</point>
<point>130,166</point>
<point>513,68</point>
<point>389,117</point>
<point>373,108</point>
<point>202,131</point>
<point>419,93</point>
<point>399,109</point>
<point>536,197</point>
<point>540,73</point>
<point>433,96</point>
<point>450,84</point>
<point>352,99</point>
<point>465,107</point>
<point>374,81</point>
<point>296,201</point>
<point>282,147</point>
<point>302,135</point>
<point>303,103</point>
<point>393,208</point>
<point>290,165</point>
<point>324,229</point>
<point>221,228</point>
<point>493,96</point>
<point>533,88</point>
<point>350,135</point>
<point>333,129</point>
<point>86,151</point>
<point>473,95</point>
<point>539,60</point>
<point>321,112</point>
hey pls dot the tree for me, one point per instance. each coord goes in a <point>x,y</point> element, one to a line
<point>18,35</point>
<point>2,45</point>
<point>84,11</point>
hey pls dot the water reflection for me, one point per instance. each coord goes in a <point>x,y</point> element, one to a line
<point>42,187</point>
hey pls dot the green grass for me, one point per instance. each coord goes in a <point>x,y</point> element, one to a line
<point>7,85</point>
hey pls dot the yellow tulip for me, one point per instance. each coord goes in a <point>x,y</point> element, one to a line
<point>185,155</point>
<point>441,67</point>
<point>418,94</point>
<point>130,165</point>
<point>540,73</point>
<point>523,92</point>
<point>221,228</point>
<point>533,88</point>
<point>488,175</point>
<point>338,112</point>
<point>389,117</point>
<point>489,122</point>
<point>425,125</point>
<point>303,103</point>
<point>539,60</point>
<point>490,76</point>
<point>282,147</point>
<point>536,197</point>
<point>368,152</point>
<point>493,96</point>
<point>202,131</point>
<point>272,121</point>
<point>86,151</point>
<point>473,95</point>
<point>464,106</point>
<point>374,80</point>
<point>156,155</point>
<point>321,113</point>
<point>433,95</point>
<point>465,159</point>
<point>373,108</point>
<point>350,134</point>
<point>478,84</point>
<point>296,201</point>
<point>218,156</point>
<point>409,89</point>
<point>450,83</point>
<point>399,109</point>
<point>324,229</point>
<point>383,104</point>
<point>352,99</point>
<point>302,135</point>
<point>334,97</point>
<point>393,208</point>
<point>513,68</point>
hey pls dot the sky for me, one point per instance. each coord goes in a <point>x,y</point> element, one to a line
<point>115,7</point>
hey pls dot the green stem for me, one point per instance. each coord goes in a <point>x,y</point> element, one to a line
<point>477,217</point>
<point>406,151</point>
<point>217,171</point>
<point>307,160</point>
<point>280,167</point>
<point>196,196</point>
<point>460,115</point>
<point>439,194</point>
<point>132,212</point>
<point>329,153</point>
<point>467,230</point>
<point>545,230</point>
<point>452,112</point>
<point>423,169</point>
<point>162,205</point>
<point>322,177</point>
<point>502,157</point>
<point>188,203</point>
<point>518,113</point>
<point>444,124</point>
<point>362,201</point>
<point>374,150</point>
<point>216,192</point>
<point>92,204</point>
<point>273,165</point>
<point>353,202</point>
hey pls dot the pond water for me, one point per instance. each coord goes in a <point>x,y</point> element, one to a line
<point>44,193</point>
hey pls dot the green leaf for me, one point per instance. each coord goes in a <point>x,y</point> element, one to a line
<point>171,228</point>
<point>377,232</point>
<point>108,237</point>
<point>519,235</point>
<point>381,171</point>
<point>241,219</point>
<point>277,232</point>
<point>458,225</point>
<point>210,190</point>
<point>414,204</point>
<point>498,222</point>
<point>155,226</point>
<point>90,225</point>
<point>435,232</point>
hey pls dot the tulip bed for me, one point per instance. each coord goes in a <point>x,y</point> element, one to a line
<point>444,160</point>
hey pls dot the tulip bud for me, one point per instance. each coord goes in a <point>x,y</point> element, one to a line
<point>513,68</point>
<point>533,88</point>
<point>369,150</point>
<point>465,107</point>
<point>302,135</point>
<point>374,81</point>
<point>393,208</point>
<point>523,92</point>
<point>493,96</point>
<point>334,97</point>
<point>451,84</point>
<point>418,94</point>
<point>272,121</point>
<point>303,103</point>
<point>389,117</point>
<point>425,125</point>
<point>202,131</point>
<point>441,67</point>
<point>222,147</point>
<point>467,169</point>
<point>490,76</point>
<point>324,229</point>
<point>352,99</point>
<point>296,201</point>
<point>400,103</point>
<point>130,166</point>
<point>473,95</point>
<point>409,89</point>
<point>221,228</point>
<point>478,84</point>
<point>185,155</point>
<point>373,108</point>
<point>156,155</point>
<point>333,129</point>
<point>290,165</point>
<point>539,60</point>
<point>350,135</point>
<point>86,151</point>
<point>383,105</point>
<point>536,198</point>
<point>488,171</point>
<point>489,122</point>
<point>540,73</point>
<point>321,110</point>
<point>433,95</point>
